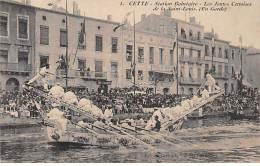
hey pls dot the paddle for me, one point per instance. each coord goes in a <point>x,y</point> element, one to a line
<point>138,140</point>
<point>153,136</point>
<point>164,135</point>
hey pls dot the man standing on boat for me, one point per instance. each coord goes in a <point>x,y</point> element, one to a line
<point>42,73</point>
<point>210,81</point>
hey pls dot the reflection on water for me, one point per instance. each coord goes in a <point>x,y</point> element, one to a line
<point>213,140</point>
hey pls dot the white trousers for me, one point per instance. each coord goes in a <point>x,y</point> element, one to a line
<point>42,78</point>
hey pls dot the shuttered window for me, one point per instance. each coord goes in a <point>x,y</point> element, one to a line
<point>114,44</point>
<point>99,43</point>
<point>63,39</point>
<point>3,24</point>
<point>44,35</point>
<point>23,27</point>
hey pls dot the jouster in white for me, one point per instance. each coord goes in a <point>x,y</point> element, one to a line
<point>211,84</point>
<point>41,75</point>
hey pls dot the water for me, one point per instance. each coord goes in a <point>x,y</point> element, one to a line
<point>213,140</point>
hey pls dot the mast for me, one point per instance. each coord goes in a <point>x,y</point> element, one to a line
<point>177,45</point>
<point>66,68</point>
<point>134,57</point>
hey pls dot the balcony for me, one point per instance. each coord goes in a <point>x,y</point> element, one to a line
<point>190,81</point>
<point>193,59</point>
<point>184,58</point>
<point>15,67</point>
<point>224,76</point>
<point>200,60</point>
<point>162,69</point>
<point>191,39</point>
<point>82,74</point>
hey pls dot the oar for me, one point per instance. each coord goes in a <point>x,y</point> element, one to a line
<point>153,136</point>
<point>136,139</point>
<point>164,135</point>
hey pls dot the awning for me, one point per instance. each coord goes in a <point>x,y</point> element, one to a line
<point>142,83</point>
<point>75,82</point>
<point>244,82</point>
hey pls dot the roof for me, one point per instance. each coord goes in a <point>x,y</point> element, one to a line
<point>252,51</point>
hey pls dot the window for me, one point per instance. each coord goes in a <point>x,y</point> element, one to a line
<point>214,67</point>
<point>99,43</point>
<point>220,69</point>
<point>232,87</point>
<point>98,68</point>
<point>43,17</point>
<point>220,52</point>
<point>140,75</point>
<point>226,69</point>
<point>151,76</point>
<point>199,36</point>
<point>213,51</point>
<point>151,55</point>
<point>191,72</point>
<point>63,38</point>
<point>22,59</point>
<point>3,24</point>
<point>190,52</point>
<point>114,69</point>
<point>83,45</point>
<point>44,35</point>
<point>199,54</point>
<point>129,52</point>
<point>190,91</point>
<point>199,73</point>
<point>128,73</point>
<point>190,34</point>
<point>4,56</point>
<point>63,21</point>
<point>161,56</point>
<point>140,54</point>
<point>206,50</point>
<point>183,34</point>
<point>171,57</point>
<point>226,53</point>
<point>233,70</point>
<point>206,66</point>
<point>233,54</point>
<point>81,64</point>
<point>182,71</point>
<point>23,27</point>
<point>114,44</point>
<point>182,51</point>
<point>43,60</point>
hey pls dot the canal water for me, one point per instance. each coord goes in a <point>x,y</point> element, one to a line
<point>208,140</point>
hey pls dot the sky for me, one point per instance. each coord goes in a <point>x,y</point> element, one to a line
<point>229,25</point>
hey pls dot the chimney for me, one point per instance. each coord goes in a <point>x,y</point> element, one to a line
<point>212,32</point>
<point>75,7</point>
<point>167,13</point>
<point>109,17</point>
<point>143,16</point>
<point>192,20</point>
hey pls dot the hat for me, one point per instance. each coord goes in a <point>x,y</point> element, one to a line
<point>57,83</point>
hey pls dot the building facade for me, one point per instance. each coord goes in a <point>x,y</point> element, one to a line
<point>104,57</point>
<point>189,48</point>
<point>17,47</point>
<point>217,60</point>
<point>253,69</point>
<point>93,64</point>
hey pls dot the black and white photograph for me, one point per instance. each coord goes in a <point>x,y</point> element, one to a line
<point>124,81</point>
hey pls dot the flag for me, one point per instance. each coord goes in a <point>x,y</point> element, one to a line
<point>175,37</point>
<point>133,69</point>
<point>82,33</point>
<point>123,22</point>
<point>213,42</point>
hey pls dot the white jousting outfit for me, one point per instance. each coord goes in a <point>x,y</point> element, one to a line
<point>41,75</point>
